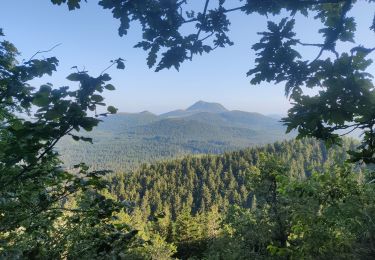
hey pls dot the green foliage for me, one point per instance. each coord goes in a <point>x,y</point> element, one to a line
<point>201,182</point>
<point>325,216</point>
<point>304,210</point>
<point>345,96</point>
<point>72,4</point>
<point>256,204</point>
<point>38,218</point>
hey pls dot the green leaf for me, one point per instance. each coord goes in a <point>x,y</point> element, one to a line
<point>88,123</point>
<point>75,138</point>
<point>17,125</point>
<point>52,115</point>
<point>86,139</point>
<point>105,77</point>
<point>97,98</point>
<point>109,87</point>
<point>112,109</point>
<point>41,100</point>
<point>120,64</point>
<point>74,77</point>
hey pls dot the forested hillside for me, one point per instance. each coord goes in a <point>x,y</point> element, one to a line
<point>288,199</point>
<point>123,141</point>
<point>200,182</point>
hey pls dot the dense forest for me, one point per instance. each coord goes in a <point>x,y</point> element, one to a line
<point>206,180</point>
<point>123,141</point>
<point>297,199</point>
<point>287,200</point>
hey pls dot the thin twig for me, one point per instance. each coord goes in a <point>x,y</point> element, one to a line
<point>350,131</point>
<point>39,52</point>
<point>308,44</point>
<point>204,19</point>
<point>113,63</point>
<point>208,36</point>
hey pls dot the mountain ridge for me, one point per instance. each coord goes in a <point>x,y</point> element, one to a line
<point>203,106</point>
<point>124,140</point>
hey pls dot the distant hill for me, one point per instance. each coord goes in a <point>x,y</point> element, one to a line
<point>124,140</point>
<point>198,107</point>
<point>276,116</point>
<point>202,106</point>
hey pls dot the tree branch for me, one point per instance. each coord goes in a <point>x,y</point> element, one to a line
<point>204,19</point>
<point>303,2</point>
<point>29,167</point>
<point>39,52</point>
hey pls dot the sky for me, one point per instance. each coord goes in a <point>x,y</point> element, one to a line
<point>89,40</point>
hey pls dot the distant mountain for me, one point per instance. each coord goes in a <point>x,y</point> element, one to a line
<point>198,107</point>
<point>177,113</point>
<point>276,116</point>
<point>241,119</point>
<point>124,140</point>
<point>122,121</point>
<point>202,106</point>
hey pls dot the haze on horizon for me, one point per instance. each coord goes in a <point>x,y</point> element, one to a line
<point>200,102</point>
<point>216,77</point>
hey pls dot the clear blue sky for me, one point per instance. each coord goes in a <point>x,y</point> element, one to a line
<point>89,40</point>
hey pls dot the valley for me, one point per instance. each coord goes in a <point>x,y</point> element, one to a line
<point>124,140</point>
